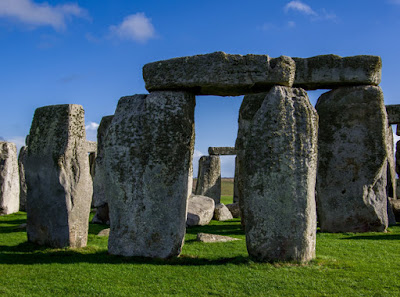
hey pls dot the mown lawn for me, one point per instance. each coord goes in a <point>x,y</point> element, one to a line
<point>346,265</point>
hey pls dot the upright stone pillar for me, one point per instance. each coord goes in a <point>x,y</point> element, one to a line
<point>58,178</point>
<point>351,183</point>
<point>277,153</point>
<point>23,152</point>
<point>9,178</point>
<point>148,151</point>
<point>209,178</point>
<point>235,182</point>
<point>391,168</point>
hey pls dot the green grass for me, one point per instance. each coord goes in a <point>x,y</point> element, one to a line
<point>346,265</point>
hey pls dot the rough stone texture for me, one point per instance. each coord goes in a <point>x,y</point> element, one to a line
<point>209,178</point>
<point>391,168</point>
<point>210,238</point>
<point>22,182</point>
<point>92,160</point>
<point>398,159</point>
<point>100,170</point>
<point>219,74</point>
<point>351,183</point>
<point>393,114</point>
<point>395,205</point>
<point>102,215</point>
<point>58,178</point>
<point>398,188</point>
<point>224,151</point>
<point>9,178</point>
<point>235,182</point>
<point>200,210</point>
<point>277,153</point>
<point>397,130</point>
<point>148,149</point>
<point>331,71</point>
<point>104,232</point>
<point>222,213</point>
<point>234,209</point>
<point>91,146</point>
<point>390,213</point>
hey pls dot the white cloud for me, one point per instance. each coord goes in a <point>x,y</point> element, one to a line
<point>136,27</point>
<point>300,7</point>
<point>40,14</point>
<point>92,126</point>
<point>291,24</point>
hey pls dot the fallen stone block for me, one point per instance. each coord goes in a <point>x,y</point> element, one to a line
<point>222,213</point>
<point>104,232</point>
<point>210,238</point>
<point>234,209</point>
<point>200,210</point>
<point>102,215</point>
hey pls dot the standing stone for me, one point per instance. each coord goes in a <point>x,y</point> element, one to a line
<point>391,168</point>
<point>209,178</point>
<point>23,152</point>
<point>148,150</point>
<point>58,178</point>
<point>9,178</point>
<point>393,114</point>
<point>235,182</point>
<point>351,183</point>
<point>277,163</point>
<point>398,158</point>
<point>100,174</point>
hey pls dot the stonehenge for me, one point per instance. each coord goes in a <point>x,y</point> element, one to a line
<point>292,160</point>
<point>22,182</point>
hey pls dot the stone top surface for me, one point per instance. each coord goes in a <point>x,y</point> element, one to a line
<point>219,74</point>
<point>221,150</point>
<point>393,113</point>
<point>91,146</point>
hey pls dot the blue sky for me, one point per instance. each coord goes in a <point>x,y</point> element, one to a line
<point>92,52</point>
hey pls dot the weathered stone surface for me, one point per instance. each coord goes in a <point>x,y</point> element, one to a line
<point>200,210</point>
<point>222,213</point>
<point>100,171</point>
<point>104,232</point>
<point>22,182</point>
<point>398,188</point>
<point>351,183</point>
<point>223,151</point>
<point>209,178</point>
<point>219,74</point>
<point>210,238</point>
<point>277,153</point>
<point>390,213</point>
<point>395,205</point>
<point>398,130</point>
<point>91,146</point>
<point>391,168</point>
<point>393,114</point>
<point>235,183</point>
<point>9,178</point>
<point>234,209</point>
<point>102,215</point>
<point>58,178</point>
<point>147,150</point>
<point>331,71</point>
<point>398,159</point>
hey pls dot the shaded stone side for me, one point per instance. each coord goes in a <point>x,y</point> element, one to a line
<point>148,149</point>
<point>224,151</point>
<point>22,182</point>
<point>393,114</point>
<point>235,183</point>
<point>391,168</point>
<point>9,178</point>
<point>277,153</point>
<point>351,183</point>
<point>58,178</point>
<point>398,158</point>
<point>209,178</point>
<point>332,71</point>
<point>219,74</point>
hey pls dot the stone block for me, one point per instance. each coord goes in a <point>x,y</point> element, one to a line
<point>23,152</point>
<point>91,146</point>
<point>9,178</point>
<point>219,74</point>
<point>221,151</point>
<point>148,149</point>
<point>58,178</point>
<point>209,178</point>
<point>200,210</point>
<point>393,114</point>
<point>352,169</point>
<point>222,213</point>
<point>277,155</point>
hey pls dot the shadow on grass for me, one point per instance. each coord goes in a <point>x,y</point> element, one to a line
<point>220,229</point>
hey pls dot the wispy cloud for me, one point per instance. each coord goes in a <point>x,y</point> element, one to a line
<point>136,27</point>
<point>397,2</point>
<point>19,141</point>
<point>40,14</point>
<point>92,126</point>
<point>300,7</point>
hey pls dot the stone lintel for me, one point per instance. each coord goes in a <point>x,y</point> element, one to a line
<point>393,113</point>
<point>221,151</point>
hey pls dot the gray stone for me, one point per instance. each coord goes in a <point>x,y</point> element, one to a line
<point>200,210</point>
<point>391,168</point>
<point>210,238</point>
<point>219,74</point>
<point>390,213</point>
<point>235,182</point>
<point>222,213</point>
<point>395,205</point>
<point>9,178</point>
<point>92,163</point>
<point>147,150</point>
<point>209,178</point>
<point>352,168</point>
<point>398,188</point>
<point>100,171</point>
<point>224,151</point>
<point>398,159</point>
<point>393,114</point>
<point>397,130</point>
<point>104,232</point>
<point>331,71</point>
<point>277,153</point>
<point>22,182</point>
<point>91,146</point>
<point>234,209</point>
<point>58,178</point>
<point>102,215</point>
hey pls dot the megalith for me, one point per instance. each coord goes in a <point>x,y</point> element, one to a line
<point>22,182</point>
<point>352,163</point>
<point>148,149</point>
<point>277,155</point>
<point>58,178</point>
<point>209,178</point>
<point>9,178</point>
